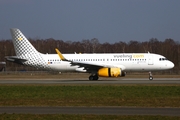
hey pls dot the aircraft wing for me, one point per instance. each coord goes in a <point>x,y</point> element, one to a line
<point>86,66</point>
<point>89,66</point>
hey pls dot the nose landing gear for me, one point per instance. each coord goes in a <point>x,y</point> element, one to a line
<point>150,76</point>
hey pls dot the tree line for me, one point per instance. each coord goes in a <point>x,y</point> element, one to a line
<point>168,48</point>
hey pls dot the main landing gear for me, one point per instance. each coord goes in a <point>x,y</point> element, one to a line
<point>93,77</point>
<point>150,76</point>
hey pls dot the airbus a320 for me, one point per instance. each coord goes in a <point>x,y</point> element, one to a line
<point>98,65</point>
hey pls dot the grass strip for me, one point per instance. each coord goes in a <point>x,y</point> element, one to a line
<point>82,117</point>
<point>90,95</point>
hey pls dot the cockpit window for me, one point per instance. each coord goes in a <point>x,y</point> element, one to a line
<point>162,59</point>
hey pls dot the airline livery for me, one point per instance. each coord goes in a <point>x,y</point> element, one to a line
<point>98,65</point>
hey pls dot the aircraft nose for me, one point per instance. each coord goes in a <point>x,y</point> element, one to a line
<point>171,64</point>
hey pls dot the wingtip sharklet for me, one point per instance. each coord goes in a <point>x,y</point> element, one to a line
<point>60,55</point>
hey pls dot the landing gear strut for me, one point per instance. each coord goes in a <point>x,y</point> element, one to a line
<point>93,77</point>
<point>150,76</point>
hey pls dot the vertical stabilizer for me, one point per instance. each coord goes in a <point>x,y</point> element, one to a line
<point>26,54</point>
<point>21,45</point>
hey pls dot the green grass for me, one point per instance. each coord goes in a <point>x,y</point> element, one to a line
<point>88,95</point>
<point>82,117</point>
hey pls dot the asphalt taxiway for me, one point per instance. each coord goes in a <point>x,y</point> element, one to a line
<point>92,110</point>
<point>100,81</point>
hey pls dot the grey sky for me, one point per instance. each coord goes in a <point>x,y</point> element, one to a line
<point>107,20</point>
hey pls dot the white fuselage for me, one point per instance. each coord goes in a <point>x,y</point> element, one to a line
<point>126,61</point>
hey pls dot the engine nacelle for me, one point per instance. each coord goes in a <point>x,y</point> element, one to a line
<point>110,72</point>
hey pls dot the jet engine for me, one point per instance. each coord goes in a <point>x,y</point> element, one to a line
<point>110,72</point>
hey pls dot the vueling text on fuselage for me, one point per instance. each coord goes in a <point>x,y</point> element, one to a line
<point>137,56</point>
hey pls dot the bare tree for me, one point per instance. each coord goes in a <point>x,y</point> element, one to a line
<point>94,44</point>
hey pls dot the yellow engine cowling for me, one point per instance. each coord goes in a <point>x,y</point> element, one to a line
<point>110,72</point>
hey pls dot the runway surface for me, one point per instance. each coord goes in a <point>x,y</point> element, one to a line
<point>101,81</point>
<point>92,110</point>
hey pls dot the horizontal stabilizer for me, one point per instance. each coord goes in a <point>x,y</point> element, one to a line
<point>15,59</point>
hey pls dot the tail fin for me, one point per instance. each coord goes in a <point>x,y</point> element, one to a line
<point>26,54</point>
<point>21,44</point>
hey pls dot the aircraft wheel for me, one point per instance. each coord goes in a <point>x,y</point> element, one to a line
<point>96,77</point>
<point>91,77</point>
<point>150,77</point>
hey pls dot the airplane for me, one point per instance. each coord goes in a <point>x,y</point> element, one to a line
<point>98,65</point>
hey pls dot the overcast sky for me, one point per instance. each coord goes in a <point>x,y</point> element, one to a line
<point>107,20</point>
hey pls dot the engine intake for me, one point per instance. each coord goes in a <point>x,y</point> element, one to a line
<point>110,72</point>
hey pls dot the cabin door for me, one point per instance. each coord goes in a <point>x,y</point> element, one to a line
<point>150,59</point>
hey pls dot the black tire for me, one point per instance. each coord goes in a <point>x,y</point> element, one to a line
<point>150,77</point>
<point>91,77</point>
<point>96,77</point>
